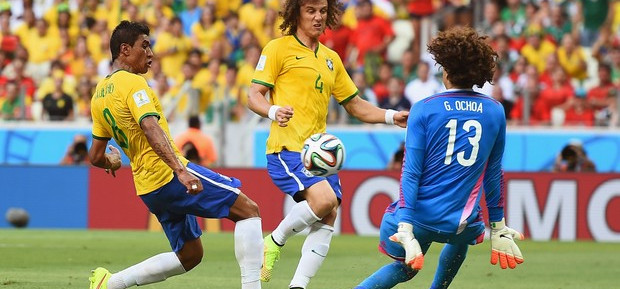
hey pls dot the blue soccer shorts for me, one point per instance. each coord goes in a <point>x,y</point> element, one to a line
<point>176,210</point>
<point>471,235</point>
<point>289,174</point>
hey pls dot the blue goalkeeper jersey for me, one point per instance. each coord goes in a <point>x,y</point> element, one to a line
<point>453,154</point>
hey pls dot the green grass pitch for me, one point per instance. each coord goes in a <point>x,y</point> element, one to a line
<point>37,259</point>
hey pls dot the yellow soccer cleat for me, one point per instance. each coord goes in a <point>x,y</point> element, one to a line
<point>99,279</point>
<point>271,254</point>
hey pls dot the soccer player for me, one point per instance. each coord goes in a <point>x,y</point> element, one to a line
<point>300,75</point>
<point>453,153</point>
<point>176,191</point>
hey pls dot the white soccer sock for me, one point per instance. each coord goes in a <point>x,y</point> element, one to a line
<point>151,270</point>
<point>249,251</point>
<point>313,253</point>
<point>299,218</point>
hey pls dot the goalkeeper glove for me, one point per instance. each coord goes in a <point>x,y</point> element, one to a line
<point>413,253</point>
<point>503,247</point>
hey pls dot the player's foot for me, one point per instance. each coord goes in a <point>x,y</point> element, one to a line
<point>99,279</point>
<point>271,254</point>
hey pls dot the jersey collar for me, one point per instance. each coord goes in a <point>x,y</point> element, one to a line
<point>302,44</point>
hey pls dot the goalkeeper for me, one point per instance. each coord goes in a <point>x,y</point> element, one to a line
<point>453,154</point>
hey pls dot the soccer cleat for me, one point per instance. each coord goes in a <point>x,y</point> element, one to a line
<point>271,254</point>
<point>99,279</point>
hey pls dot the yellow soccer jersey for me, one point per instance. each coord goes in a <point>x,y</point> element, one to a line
<point>120,102</point>
<point>305,80</point>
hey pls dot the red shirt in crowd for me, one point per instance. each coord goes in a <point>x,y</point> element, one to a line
<point>369,33</point>
<point>540,113</point>
<point>337,40</point>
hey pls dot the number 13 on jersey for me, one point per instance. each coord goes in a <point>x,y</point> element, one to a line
<point>452,125</point>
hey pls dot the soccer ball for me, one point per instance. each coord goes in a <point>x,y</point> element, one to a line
<point>323,154</point>
<point>17,217</point>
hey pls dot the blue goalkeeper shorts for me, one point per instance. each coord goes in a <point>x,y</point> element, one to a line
<point>176,210</point>
<point>289,174</point>
<point>471,235</point>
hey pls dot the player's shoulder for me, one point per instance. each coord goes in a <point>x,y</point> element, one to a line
<point>328,51</point>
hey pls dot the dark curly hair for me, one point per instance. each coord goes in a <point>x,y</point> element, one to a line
<point>292,10</point>
<point>465,56</point>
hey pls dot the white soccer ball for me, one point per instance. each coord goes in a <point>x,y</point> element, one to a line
<point>323,154</point>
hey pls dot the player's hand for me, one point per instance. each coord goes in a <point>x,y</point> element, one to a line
<point>503,246</point>
<point>114,157</point>
<point>191,182</point>
<point>400,118</point>
<point>413,253</point>
<point>283,115</point>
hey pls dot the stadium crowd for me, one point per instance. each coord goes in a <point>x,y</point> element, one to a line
<point>558,65</point>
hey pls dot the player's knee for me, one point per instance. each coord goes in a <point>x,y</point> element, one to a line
<point>324,207</point>
<point>190,261</point>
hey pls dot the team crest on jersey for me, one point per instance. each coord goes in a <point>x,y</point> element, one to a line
<point>141,98</point>
<point>330,64</point>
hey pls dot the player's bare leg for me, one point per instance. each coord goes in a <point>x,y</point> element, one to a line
<point>248,240</point>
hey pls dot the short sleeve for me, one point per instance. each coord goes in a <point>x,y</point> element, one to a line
<point>141,101</point>
<point>268,66</point>
<point>344,87</point>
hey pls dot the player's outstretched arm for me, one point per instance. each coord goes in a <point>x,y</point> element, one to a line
<point>413,253</point>
<point>503,247</point>
<point>368,113</point>
<point>162,146</point>
<point>99,158</point>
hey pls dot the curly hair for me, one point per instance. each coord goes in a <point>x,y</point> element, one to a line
<point>465,56</point>
<point>291,12</point>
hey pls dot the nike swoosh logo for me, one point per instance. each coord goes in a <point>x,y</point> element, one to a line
<point>296,231</point>
<point>101,282</point>
<point>298,58</point>
<point>318,253</point>
<point>504,236</point>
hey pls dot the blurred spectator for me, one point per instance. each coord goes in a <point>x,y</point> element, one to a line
<point>614,63</point>
<point>537,48</point>
<point>252,15</point>
<point>406,68</point>
<point>513,15</point>
<point>190,15</point>
<point>421,12</point>
<point>207,30</point>
<point>246,68</point>
<point>15,72</point>
<point>84,94</point>
<point>578,113</point>
<point>506,56</point>
<point>501,89</point>
<point>423,86</point>
<point>229,101</point>
<point>380,84</point>
<point>528,100</point>
<point>559,93</point>
<point>269,29</point>
<point>396,162</point>
<point>43,48</point>
<point>572,58</point>
<point>203,143</point>
<point>337,39</point>
<point>558,25</point>
<point>27,26</point>
<point>77,65</point>
<point>491,16</point>
<point>184,96</point>
<point>597,96</point>
<point>77,152</point>
<point>608,116</point>
<point>365,93</point>
<point>12,105</point>
<point>232,35</point>
<point>395,99</point>
<point>57,105</point>
<point>172,48</point>
<point>157,10</point>
<point>551,64</point>
<point>371,36</point>
<point>573,158</point>
<point>47,86</point>
<point>593,15</point>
